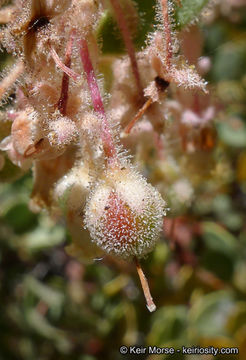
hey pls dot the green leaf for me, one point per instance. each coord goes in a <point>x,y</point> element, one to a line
<point>189,11</point>
<point>10,172</point>
<point>109,35</point>
<point>219,239</point>
<point>235,65</point>
<point>20,218</point>
<point>169,324</point>
<point>108,32</point>
<point>237,319</point>
<point>231,136</point>
<point>51,297</point>
<point>45,236</point>
<point>43,328</point>
<point>209,313</point>
<point>221,252</point>
<point>220,264</point>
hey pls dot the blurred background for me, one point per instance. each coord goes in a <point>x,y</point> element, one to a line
<point>53,307</point>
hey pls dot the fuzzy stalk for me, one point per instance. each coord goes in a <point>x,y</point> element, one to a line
<point>107,139</point>
<point>122,23</point>
<point>138,116</point>
<point>62,103</point>
<point>72,74</point>
<point>168,34</point>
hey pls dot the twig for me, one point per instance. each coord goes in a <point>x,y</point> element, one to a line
<point>62,103</point>
<point>107,139</point>
<point>145,286</point>
<point>121,20</point>
<point>168,34</point>
<point>72,74</point>
<point>137,117</point>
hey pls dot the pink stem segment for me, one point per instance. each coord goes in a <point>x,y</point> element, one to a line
<point>72,74</point>
<point>62,103</point>
<point>167,32</point>
<point>121,20</point>
<point>108,142</point>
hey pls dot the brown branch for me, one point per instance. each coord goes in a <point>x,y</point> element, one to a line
<point>137,117</point>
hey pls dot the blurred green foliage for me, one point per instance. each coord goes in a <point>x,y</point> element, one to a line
<point>52,307</point>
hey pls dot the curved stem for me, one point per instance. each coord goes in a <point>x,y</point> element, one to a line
<point>121,20</point>
<point>107,139</point>
<point>62,103</point>
<point>167,32</point>
<point>138,116</point>
<point>72,74</point>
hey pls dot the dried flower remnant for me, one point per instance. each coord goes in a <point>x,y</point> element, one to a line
<point>29,28</point>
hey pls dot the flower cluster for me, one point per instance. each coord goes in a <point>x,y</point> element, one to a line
<point>77,138</point>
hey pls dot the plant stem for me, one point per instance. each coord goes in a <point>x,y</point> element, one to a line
<point>145,286</point>
<point>72,74</point>
<point>168,34</point>
<point>62,103</point>
<point>121,20</point>
<point>107,139</point>
<point>137,117</point>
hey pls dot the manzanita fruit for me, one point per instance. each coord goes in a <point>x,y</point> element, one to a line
<point>124,213</point>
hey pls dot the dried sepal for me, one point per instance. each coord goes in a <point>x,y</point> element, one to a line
<point>178,71</point>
